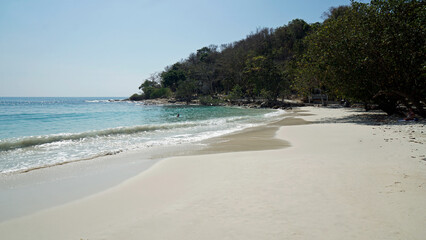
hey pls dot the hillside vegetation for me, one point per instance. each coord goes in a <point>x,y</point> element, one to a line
<point>372,53</point>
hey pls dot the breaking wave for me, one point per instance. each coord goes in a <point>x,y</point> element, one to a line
<point>11,144</point>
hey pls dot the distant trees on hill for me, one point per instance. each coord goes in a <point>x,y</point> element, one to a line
<point>369,52</point>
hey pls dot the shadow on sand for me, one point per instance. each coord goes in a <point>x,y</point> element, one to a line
<point>370,118</point>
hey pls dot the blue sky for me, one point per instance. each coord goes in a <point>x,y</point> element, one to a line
<point>107,48</point>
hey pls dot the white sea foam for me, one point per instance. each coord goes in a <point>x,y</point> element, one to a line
<point>97,101</point>
<point>159,127</point>
<point>10,144</point>
<point>277,113</point>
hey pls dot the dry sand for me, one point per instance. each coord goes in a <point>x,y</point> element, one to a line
<point>342,177</point>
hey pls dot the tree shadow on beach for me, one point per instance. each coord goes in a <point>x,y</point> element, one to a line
<point>370,118</point>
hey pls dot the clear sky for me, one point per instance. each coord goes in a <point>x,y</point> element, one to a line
<point>107,48</point>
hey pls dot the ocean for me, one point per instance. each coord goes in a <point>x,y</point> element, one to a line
<point>44,132</point>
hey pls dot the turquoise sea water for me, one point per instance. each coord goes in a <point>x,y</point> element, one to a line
<point>39,132</point>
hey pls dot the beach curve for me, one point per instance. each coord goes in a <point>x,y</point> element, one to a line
<point>337,180</point>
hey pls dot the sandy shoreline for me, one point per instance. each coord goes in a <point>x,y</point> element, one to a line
<point>340,178</point>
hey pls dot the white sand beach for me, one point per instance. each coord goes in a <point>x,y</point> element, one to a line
<point>339,177</point>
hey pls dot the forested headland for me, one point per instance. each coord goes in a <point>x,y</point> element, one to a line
<point>371,53</point>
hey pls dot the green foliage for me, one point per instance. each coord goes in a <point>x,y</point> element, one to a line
<point>236,93</point>
<point>209,101</point>
<point>267,95</point>
<point>164,93</point>
<point>186,90</point>
<point>149,84</point>
<point>159,93</point>
<point>137,97</point>
<point>152,93</point>
<point>255,63</point>
<point>369,52</point>
<point>152,89</point>
<point>172,76</point>
<point>261,74</point>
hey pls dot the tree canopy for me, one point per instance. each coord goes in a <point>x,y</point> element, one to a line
<point>371,52</point>
<point>367,52</point>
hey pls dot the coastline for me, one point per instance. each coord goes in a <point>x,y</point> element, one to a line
<point>339,178</point>
<point>32,190</point>
<point>101,130</point>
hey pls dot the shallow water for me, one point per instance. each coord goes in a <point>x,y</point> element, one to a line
<point>40,132</point>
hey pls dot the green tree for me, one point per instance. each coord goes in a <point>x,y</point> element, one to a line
<point>151,89</point>
<point>236,93</point>
<point>186,90</point>
<point>371,52</point>
<point>262,74</point>
<point>206,68</point>
<point>172,76</point>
